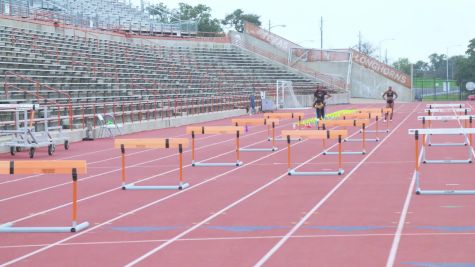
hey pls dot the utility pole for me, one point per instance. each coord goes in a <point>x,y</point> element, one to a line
<point>321,38</point>
<point>359,41</point>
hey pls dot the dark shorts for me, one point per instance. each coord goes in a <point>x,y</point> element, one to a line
<point>389,101</point>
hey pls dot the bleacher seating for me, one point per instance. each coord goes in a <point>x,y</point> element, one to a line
<point>132,81</point>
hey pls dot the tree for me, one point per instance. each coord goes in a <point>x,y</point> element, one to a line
<point>471,48</point>
<point>420,67</point>
<point>200,13</point>
<point>237,19</point>
<point>365,48</point>
<point>403,65</point>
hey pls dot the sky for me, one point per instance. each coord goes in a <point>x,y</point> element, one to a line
<point>411,29</point>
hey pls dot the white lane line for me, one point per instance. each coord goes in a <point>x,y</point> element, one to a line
<point>134,210</point>
<point>151,252</point>
<point>327,196</point>
<point>233,238</point>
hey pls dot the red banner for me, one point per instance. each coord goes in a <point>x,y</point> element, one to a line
<point>381,68</point>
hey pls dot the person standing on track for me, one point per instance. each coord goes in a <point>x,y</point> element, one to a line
<point>389,95</point>
<point>319,103</point>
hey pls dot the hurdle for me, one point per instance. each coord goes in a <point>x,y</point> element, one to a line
<point>315,134</point>
<point>431,111</point>
<point>369,116</point>
<point>145,143</point>
<point>288,115</point>
<point>271,123</point>
<point>73,167</point>
<point>446,131</point>
<point>377,113</point>
<point>431,106</point>
<point>416,174</point>
<point>346,123</point>
<point>194,130</point>
<point>467,119</point>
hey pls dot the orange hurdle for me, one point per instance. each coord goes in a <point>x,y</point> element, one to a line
<point>315,134</point>
<point>179,143</point>
<point>194,130</point>
<point>73,167</point>
<point>367,116</point>
<point>345,123</point>
<point>288,115</point>
<point>258,121</point>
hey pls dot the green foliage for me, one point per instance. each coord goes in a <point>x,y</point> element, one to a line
<point>200,13</point>
<point>237,19</point>
<point>403,65</point>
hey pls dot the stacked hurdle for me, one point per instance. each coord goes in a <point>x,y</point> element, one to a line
<point>271,123</point>
<point>73,167</point>
<point>347,123</point>
<point>420,133</point>
<point>194,130</point>
<point>289,115</point>
<point>315,134</point>
<point>179,143</point>
<point>465,129</point>
<point>467,123</point>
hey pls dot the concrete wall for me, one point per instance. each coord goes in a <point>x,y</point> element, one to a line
<point>366,83</point>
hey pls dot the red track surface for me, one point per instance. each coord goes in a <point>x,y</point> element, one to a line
<point>369,216</point>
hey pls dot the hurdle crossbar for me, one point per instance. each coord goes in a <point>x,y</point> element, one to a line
<point>285,115</point>
<point>416,174</point>
<point>431,111</point>
<point>444,131</point>
<point>368,116</point>
<point>315,134</point>
<point>194,130</point>
<point>146,143</point>
<point>346,123</point>
<point>73,167</point>
<point>431,106</point>
<point>467,122</point>
<point>271,123</point>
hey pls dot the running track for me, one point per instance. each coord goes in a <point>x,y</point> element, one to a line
<point>252,215</point>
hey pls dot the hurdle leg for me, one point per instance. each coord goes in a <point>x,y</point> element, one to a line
<point>193,148</point>
<point>122,150</point>
<point>181,185</point>
<point>363,128</point>
<point>289,164</point>
<point>340,162</point>
<point>238,162</point>
<point>416,172</point>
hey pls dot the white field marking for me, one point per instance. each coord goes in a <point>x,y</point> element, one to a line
<point>136,165</point>
<point>110,190</point>
<point>402,218</point>
<point>327,196</point>
<point>225,209</point>
<point>132,211</point>
<point>234,238</point>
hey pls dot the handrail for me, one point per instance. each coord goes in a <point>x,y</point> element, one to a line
<point>37,87</point>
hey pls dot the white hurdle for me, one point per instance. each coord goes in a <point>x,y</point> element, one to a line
<point>431,106</point>
<point>419,158</point>
<point>467,122</point>
<point>445,131</point>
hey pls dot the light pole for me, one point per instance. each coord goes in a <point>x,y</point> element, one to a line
<point>380,49</point>
<point>274,26</point>
<point>447,86</point>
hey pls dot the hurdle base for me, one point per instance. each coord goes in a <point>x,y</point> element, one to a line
<point>296,173</point>
<point>284,139</point>
<point>361,140</point>
<point>344,152</point>
<point>446,161</point>
<point>445,192</point>
<point>374,131</point>
<point>258,149</point>
<point>224,164</point>
<point>447,144</point>
<point>155,187</point>
<point>9,228</point>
